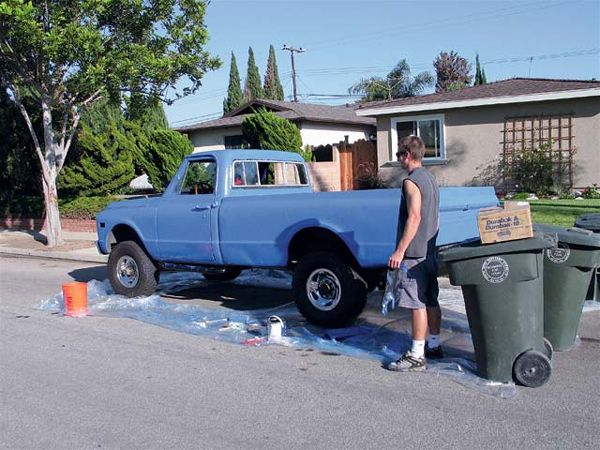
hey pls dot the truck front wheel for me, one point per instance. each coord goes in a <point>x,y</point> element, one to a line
<point>131,271</point>
<point>326,290</point>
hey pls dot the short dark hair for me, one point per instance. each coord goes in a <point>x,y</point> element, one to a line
<point>414,145</point>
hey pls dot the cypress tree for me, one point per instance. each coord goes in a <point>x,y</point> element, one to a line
<point>273,88</point>
<point>252,87</point>
<point>147,111</point>
<point>265,130</point>
<point>234,98</point>
<point>105,167</point>
<point>479,72</point>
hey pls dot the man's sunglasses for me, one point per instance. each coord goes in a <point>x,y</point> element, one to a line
<point>401,153</point>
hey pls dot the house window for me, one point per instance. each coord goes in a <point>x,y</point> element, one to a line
<point>235,142</point>
<point>428,128</point>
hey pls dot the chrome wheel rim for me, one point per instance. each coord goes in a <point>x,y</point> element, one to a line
<point>323,289</point>
<point>127,271</point>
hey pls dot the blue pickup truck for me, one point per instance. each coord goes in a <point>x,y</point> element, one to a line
<point>230,210</point>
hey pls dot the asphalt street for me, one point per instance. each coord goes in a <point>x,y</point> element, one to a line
<point>100,382</point>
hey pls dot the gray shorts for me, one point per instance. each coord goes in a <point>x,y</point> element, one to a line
<point>418,287</point>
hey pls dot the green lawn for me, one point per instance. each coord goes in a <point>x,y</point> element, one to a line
<point>562,212</point>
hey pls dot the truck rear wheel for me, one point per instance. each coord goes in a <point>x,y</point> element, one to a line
<point>131,271</point>
<point>326,290</point>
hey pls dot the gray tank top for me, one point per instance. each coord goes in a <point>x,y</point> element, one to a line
<point>424,242</point>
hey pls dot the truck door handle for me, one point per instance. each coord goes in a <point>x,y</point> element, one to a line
<point>201,208</point>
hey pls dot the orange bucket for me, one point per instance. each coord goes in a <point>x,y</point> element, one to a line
<point>75,295</point>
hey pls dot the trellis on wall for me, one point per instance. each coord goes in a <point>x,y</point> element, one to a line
<point>553,133</point>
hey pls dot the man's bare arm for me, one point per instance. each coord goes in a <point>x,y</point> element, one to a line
<point>413,206</point>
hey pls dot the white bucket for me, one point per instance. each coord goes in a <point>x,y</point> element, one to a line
<point>275,328</point>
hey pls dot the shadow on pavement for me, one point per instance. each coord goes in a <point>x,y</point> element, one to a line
<point>232,296</point>
<point>89,273</point>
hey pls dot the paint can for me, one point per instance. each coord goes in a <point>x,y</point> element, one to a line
<point>275,328</point>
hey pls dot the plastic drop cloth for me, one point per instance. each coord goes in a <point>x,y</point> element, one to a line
<point>372,336</point>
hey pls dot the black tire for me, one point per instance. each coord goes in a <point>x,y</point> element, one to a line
<point>532,369</point>
<point>337,298</point>
<point>131,271</point>
<point>228,275</point>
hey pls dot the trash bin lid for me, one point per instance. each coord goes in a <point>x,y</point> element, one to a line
<point>476,250</point>
<point>589,222</point>
<point>571,236</point>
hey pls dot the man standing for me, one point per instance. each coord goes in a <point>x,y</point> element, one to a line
<point>415,256</point>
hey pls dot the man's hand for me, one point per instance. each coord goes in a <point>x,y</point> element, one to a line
<point>396,259</point>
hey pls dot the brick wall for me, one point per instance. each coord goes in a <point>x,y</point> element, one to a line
<point>8,223</point>
<point>325,175</point>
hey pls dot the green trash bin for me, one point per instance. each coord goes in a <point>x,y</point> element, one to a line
<point>591,222</point>
<point>502,286</point>
<point>568,269</point>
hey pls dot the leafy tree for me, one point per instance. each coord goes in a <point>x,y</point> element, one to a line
<point>397,84</point>
<point>273,89</point>
<point>252,87</point>
<point>479,72</point>
<point>265,130</point>
<point>20,167</point>
<point>452,72</point>
<point>147,111</point>
<point>68,54</point>
<point>234,98</point>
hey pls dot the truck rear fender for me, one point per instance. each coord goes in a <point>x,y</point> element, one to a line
<point>315,239</point>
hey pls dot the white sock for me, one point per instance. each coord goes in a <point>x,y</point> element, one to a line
<point>433,340</point>
<point>418,349</point>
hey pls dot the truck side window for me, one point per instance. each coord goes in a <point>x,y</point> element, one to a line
<point>295,174</point>
<point>271,173</point>
<point>245,173</point>
<point>251,171</point>
<point>200,178</point>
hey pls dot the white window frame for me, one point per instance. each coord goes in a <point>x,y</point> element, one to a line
<point>394,135</point>
<point>269,186</point>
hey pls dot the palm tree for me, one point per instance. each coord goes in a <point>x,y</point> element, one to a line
<point>397,84</point>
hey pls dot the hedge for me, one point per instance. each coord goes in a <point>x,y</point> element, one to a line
<point>70,208</point>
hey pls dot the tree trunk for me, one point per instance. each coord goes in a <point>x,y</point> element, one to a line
<point>50,167</point>
<point>53,226</point>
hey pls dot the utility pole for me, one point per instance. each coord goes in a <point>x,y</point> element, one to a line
<point>293,50</point>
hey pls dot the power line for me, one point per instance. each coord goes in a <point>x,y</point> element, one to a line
<point>209,116</point>
<point>427,26</point>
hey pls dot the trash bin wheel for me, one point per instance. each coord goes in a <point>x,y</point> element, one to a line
<point>532,369</point>
<point>548,349</point>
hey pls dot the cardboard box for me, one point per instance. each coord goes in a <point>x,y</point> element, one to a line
<point>505,224</point>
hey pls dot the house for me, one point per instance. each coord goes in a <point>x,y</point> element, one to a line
<point>318,124</point>
<point>472,133</point>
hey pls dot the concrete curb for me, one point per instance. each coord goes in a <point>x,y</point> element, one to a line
<point>76,255</point>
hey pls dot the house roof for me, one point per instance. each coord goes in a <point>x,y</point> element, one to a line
<point>515,90</point>
<point>287,110</point>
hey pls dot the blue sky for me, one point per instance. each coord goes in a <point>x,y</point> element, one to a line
<point>348,40</point>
